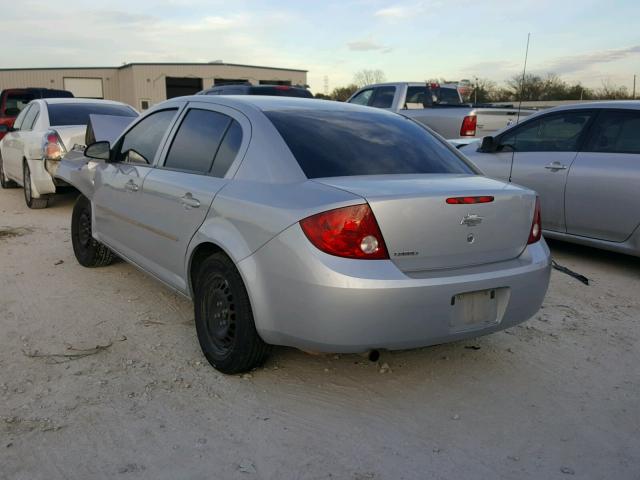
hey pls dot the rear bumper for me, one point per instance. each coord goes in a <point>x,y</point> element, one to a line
<point>304,298</point>
<point>42,181</point>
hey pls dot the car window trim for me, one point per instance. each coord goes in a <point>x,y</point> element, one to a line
<point>179,122</point>
<point>118,144</point>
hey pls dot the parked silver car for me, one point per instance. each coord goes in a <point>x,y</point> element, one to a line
<point>319,225</point>
<point>584,161</point>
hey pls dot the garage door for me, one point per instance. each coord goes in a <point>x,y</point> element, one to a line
<point>179,86</point>
<point>84,87</point>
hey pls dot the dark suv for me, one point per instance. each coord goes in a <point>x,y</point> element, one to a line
<point>248,89</point>
<point>13,100</point>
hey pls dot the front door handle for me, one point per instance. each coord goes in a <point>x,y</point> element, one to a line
<point>555,166</point>
<point>188,201</point>
<point>131,186</point>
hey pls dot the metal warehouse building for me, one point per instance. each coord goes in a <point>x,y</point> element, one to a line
<point>144,84</point>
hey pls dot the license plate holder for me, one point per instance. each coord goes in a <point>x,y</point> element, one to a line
<point>476,310</point>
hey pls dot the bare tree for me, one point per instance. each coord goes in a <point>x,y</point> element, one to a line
<point>610,91</point>
<point>367,77</point>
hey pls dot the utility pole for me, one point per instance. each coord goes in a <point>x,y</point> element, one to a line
<point>475,92</point>
<point>634,87</point>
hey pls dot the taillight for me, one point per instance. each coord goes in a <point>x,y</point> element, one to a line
<point>536,226</point>
<point>468,128</point>
<point>52,146</point>
<point>282,87</point>
<point>350,232</point>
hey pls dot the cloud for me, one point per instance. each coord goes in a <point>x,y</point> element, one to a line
<point>368,46</point>
<point>578,63</point>
<point>393,12</point>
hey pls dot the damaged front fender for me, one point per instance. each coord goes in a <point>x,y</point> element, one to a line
<point>78,171</point>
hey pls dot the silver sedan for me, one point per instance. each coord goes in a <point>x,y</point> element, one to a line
<point>318,225</point>
<point>584,161</point>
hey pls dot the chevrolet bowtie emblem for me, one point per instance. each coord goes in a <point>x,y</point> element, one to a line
<point>471,220</point>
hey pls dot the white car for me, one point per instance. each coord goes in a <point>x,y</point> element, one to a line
<point>42,134</point>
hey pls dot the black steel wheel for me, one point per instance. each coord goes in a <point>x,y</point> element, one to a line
<point>224,320</point>
<point>89,252</point>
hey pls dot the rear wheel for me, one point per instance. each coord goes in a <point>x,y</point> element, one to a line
<point>89,252</point>
<point>224,320</point>
<point>4,181</point>
<point>35,203</point>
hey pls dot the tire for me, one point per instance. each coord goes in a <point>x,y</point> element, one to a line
<point>4,181</point>
<point>224,320</point>
<point>89,252</point>
<point>35,203</point>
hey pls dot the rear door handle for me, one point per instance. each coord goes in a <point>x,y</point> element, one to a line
<point>131,186</point>
<point>555,166</point>
<point>188,201</point>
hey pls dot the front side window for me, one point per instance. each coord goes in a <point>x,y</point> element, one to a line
<point>362,98</point>
<point>30,118</point>
<point>383,97</point>
<point>141,143</point>
<point>332,143</point>
<point>615,131</point>
<point>196,143</point>
<point>552,133</point>
<point>16,102</point>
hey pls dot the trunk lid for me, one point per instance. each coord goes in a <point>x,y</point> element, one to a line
<point>423,232</point>
<point>71,135</point>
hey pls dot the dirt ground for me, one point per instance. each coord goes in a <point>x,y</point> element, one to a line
<point>556,397</point>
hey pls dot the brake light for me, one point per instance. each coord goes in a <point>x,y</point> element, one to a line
<point>468,128</point>
<point>52,146</point>
<point>350,232</point>
<point>282,87</point>
<point>469,200</point>
<point>433,86</point>
<point>536,225</point>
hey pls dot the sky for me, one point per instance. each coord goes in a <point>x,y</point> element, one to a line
<point>587,41</point>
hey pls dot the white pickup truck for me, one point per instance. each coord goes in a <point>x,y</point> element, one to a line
<point>440,107</point>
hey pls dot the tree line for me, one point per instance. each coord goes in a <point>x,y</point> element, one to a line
<point>532,87</point>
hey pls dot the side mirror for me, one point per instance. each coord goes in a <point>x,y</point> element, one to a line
<point>98,150</point>
<point>489,145</point>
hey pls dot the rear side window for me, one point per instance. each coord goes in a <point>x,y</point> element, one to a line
<point>15,103</point>
<point>61,114</point>
<point>141,143</point>
<point>197,141</point>
<point>20,119</point>
<point>615,132</point>
<point>30,117</point>
<point>552,133</point>
<point>383,97</point>
<point>228,150</point>
<point>329,143</point>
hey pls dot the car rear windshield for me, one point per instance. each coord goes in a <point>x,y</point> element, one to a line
<point>78,113</point>
<point>329,143</point>
<point>281,91</point>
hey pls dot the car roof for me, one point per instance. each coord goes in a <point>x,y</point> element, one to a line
<point>625,104</point>
<point>271,103</point>
<point>52,101</point>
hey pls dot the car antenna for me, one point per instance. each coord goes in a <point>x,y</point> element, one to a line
<point>524,72</point>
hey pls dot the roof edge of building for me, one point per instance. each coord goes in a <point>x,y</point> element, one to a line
<point>127,65</point>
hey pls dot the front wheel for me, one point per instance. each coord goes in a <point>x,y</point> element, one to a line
<point>35,203</point>
<point>224,320</point>
<point>89,252</point>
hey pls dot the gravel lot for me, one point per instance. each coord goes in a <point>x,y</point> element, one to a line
<point>556,397</point>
